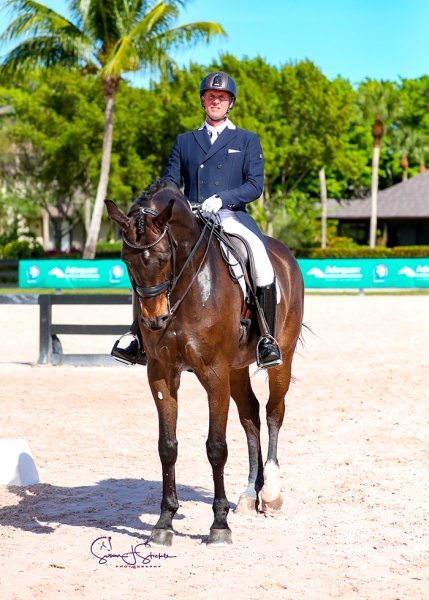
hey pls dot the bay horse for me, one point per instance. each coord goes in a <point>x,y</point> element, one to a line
<point>190,311</point>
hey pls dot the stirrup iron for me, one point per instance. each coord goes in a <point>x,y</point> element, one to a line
<point>129,363</point>
<point>273,363</point>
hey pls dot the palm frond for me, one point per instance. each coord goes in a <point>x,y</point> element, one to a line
<point>33,19</point>
<point>191,34</point>
<point>157,20</point>
<point>123,57</point>
<point>45,51</point>
<point>135,47</point>
<point>50,39</point>
<point>100,17</point>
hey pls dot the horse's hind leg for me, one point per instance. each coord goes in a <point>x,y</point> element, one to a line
<point>279,381</point>
<point>248,410</point>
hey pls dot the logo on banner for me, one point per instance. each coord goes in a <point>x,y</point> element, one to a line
<point>116,274</point>
<point>422,272</point>
<point>75,273</point>
<point>33,274</point>
<point>338,273</point>
<point>380,273</point>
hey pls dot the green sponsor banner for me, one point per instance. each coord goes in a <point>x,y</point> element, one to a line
<point>365,273</point>
<point>73,274</point>
<point>318,273</point>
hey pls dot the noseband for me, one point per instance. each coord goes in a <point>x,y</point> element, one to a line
<point>168,285</point>
<point>155,290</point>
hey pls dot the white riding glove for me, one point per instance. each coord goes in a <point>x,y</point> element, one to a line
<point>212,204</point>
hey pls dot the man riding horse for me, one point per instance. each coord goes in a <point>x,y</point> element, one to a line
<point>222,168</point>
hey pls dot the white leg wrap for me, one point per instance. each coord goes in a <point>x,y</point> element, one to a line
<point>271,488</point>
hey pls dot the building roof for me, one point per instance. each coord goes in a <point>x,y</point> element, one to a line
<point>406,200</point>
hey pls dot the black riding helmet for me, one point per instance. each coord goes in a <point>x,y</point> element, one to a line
<point>218,80</point>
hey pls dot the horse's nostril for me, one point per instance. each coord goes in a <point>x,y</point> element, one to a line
<point>156,323</point>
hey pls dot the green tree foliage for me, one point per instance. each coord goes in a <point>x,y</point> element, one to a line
<point>54,144</point>
<point>108,38</point>
<point>299,115</point>
<point>51,143</point>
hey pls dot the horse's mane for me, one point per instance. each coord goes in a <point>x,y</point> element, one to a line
<point>156,186</point>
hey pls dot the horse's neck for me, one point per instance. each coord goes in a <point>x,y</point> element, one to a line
<point>188,233</point>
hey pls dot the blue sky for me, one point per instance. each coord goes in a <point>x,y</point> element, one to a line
<point>380,39</point>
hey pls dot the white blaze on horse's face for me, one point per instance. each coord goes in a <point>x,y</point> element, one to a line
<point>151,268</point>
<point>154,311</point>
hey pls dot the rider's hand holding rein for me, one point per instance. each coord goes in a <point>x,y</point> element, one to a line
<point>212,204</point>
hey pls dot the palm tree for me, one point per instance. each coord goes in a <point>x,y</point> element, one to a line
<point>324,204</point>
<point>378,100</point>
<point>106,39</point>
<point>410,145</point>
<point>378,130</point>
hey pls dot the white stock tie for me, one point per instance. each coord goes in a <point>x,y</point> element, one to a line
<point>212,137</point>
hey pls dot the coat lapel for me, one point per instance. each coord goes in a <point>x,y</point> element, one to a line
<point>210,149</point>
<point>201,136</point>
<point>225,138</point>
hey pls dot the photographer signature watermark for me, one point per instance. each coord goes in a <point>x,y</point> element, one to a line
<point>137,557</point>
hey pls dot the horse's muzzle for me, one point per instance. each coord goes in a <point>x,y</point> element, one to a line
<point>156,323</point>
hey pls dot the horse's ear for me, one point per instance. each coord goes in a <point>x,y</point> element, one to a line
<point>116,214</point>
<point>164,216</point>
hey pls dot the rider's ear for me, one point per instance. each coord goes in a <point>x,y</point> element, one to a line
<point>164,216</point>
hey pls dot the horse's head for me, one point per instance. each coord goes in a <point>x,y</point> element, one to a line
<point>149,252</point>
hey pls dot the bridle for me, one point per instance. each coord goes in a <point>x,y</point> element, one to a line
<point>154,290</point>
<point>168,285</point>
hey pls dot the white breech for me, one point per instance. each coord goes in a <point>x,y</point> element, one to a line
<point>232,223</point>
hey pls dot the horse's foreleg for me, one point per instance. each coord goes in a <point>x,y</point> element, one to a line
<point>248,410</point>
<point>217,453</point>
<point>279,379</point>
<point>166,404</point>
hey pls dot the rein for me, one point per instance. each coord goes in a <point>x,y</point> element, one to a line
<point>169,284</point>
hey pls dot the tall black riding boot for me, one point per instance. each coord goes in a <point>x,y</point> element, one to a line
<point>133,353</point>
<point>268,350</point>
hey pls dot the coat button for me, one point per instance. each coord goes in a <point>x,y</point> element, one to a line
<point>201,166</point>
<point>219,166</point>
<point>216,182</point>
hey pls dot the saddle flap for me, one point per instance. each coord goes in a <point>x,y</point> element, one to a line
<point>244,251</point>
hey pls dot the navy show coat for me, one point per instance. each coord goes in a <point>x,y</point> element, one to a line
<point>232,167</point>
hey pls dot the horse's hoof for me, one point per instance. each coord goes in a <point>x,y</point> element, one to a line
<point>219,537</point>
<point>273,507</point>
<point>246,505</point>
<point>161,537</point>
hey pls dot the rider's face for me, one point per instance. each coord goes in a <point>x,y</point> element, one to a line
<point>216,103</point>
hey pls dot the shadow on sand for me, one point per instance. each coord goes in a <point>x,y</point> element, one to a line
<point>112,505</point>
